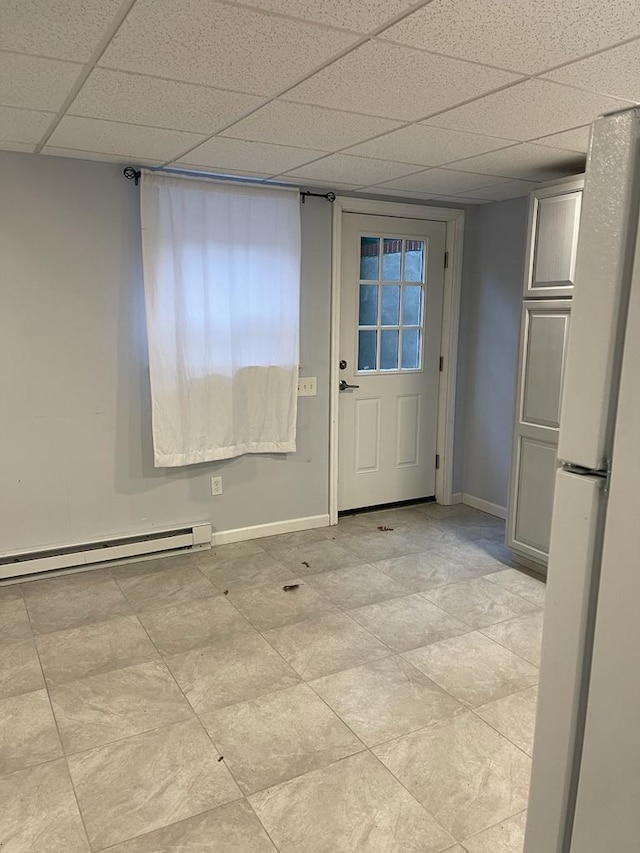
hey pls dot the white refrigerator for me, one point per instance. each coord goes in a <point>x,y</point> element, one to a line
<point>585,784</point>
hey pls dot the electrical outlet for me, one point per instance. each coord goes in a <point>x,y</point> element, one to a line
<point>307,386</point>
<point>216,486</point>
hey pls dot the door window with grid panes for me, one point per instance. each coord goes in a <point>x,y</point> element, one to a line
<point>391,304</point>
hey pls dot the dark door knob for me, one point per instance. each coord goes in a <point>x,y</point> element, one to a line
<point>344,385</point>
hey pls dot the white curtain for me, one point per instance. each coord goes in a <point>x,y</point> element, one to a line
<point>222,297</point>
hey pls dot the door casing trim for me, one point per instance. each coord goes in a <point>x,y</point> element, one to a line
<point>454,219</point>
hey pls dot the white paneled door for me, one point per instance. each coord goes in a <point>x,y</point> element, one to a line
<point>390,330</point>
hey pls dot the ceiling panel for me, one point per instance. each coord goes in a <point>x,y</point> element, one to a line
<point>286,123</point>
<point>23,125</point>
<point>460,200</point>
<point>427,146</point>
<point>533,162</point>
<point>62,29</point>
<point>23,147</point>
<point>126,140</point>
<point>362,17</point>
<point>355,170</point>
<point>133,99</point>
<point>215,171</point>
<point>573,140</point>
<point>391,193</point>
<point>396,82</point>
<point>222,153</point>
<point>35,83</point>
<point>615,72</point>
<point>321,186</point>
<point>229,47</point>
<point>504,191</point>
<point>54,151</point>
<point>528,110</point>
<point>522,35</point>
<point>440,181</point>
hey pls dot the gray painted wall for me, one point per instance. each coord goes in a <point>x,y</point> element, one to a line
<point>76,460</point>
<point>488,358</point>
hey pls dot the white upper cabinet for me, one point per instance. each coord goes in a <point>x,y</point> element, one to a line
<point>554,217</point>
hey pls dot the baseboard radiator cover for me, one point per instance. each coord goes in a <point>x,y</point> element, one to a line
<point>22,564</point>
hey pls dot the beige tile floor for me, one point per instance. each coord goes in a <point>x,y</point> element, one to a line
<point>190,704</point>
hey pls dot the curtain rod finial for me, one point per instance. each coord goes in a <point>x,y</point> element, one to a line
<point>132,174</point>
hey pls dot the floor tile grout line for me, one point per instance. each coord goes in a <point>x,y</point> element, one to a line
<point>433,725</point>
<point>412,795</point>
<point>395,737</point>
<point>492,826</point>
<point>495,728</point>
<point>64,753</point>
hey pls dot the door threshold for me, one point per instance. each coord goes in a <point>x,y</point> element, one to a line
<point>343,513</point>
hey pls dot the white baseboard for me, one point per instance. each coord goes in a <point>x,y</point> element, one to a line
<point>258,531</point>
<point>456,498</point>
<point>484,506</point>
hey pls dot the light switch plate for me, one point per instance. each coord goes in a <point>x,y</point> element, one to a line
<point>307,386</point>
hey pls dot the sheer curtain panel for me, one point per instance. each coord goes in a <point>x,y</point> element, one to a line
<point>222,299</point>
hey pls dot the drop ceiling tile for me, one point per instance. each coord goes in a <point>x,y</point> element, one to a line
<point>615,72</point>
<point>402,194</point>
<point>321,186</point>
<point>34,83</point>
<point>441,182</point>
<point>222,153</point>
<point>23,147</point>
<point>502,191</point>
<point>525,36</point>
<point>356,170</point>
<point>572,140</point>
<point>427,146</point>
<point>133,99</point>
<point>362,17</point>
<point>23,125</point>
<point>62,29</point>
<point>396,82</point>
<point>460,200</point>
<point>55,151</point>
<point>230,47</point>
<point>533,162</point>
<point>125,140</point>
<point>528,110</point>
<point>208,170</point>
<point>286,123</point>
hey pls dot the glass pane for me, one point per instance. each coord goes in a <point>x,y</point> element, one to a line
<point>369,254</point>
<point>368,305</point>
<point>389,349</point>
<point>391,259</point>
<point>390,305</point>
<point>367,349</point>
<point>414,260</point>
<point>411,348</point>
<point>411,306</point>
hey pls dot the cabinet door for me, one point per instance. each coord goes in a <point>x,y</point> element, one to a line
<point>554,221</point>
<point>544,338</point>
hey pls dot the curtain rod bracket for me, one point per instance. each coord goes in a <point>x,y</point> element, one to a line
<point>330,197</point>
<point>132,174</point>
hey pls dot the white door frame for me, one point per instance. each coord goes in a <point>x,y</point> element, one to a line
<point>454,219</point>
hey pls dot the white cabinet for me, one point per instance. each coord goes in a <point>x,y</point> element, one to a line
<point>554,213</point>
<point>545,335</point>
<point>554,221</point>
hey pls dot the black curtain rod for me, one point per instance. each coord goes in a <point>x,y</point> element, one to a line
<point>133,174</point>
